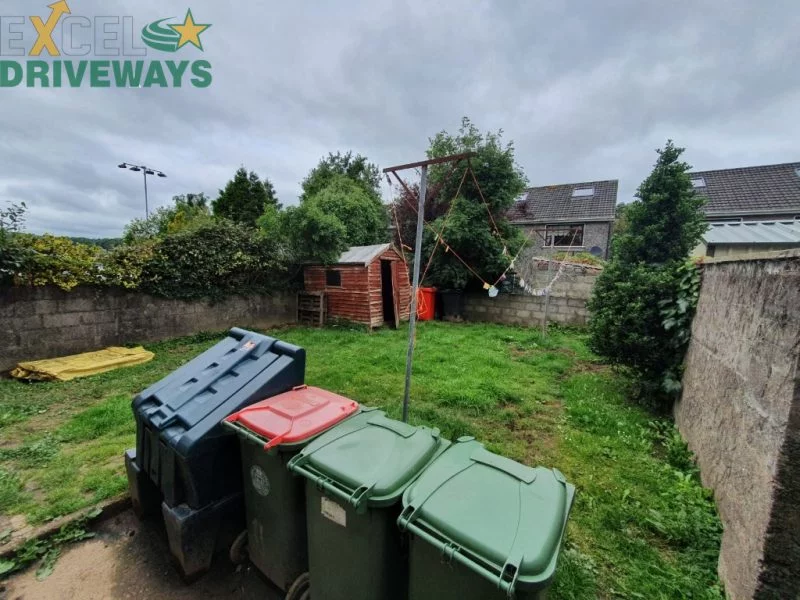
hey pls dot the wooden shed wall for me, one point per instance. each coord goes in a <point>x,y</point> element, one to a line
<point>350,300</point>
<point>359,297</point>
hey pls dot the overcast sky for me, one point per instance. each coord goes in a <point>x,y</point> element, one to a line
<point>586,90</point>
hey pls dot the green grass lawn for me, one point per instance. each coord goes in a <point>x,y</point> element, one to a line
<point>641,526</point>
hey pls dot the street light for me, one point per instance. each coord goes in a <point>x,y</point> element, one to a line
<point>147,171</point>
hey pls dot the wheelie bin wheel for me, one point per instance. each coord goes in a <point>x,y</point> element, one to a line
<point>299,590</point>
<point>238,551</point>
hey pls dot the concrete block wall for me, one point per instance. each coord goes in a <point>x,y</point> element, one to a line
<point>43,322</point>
<point>594,234</point>
<point>740,414</point>
<point>567,304</point>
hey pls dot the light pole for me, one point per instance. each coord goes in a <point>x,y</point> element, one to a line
<point>145,171</point>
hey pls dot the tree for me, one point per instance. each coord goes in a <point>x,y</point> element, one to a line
<point>309,233</point>
<point>364,216</point>
<point>357,168</point>
<point>12,255</point>
<point>244,198</point>
<point>188,211</point>
<point>461,212</point>
<point>647,271</point>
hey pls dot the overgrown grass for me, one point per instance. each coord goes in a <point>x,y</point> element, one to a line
<point>641,527</point>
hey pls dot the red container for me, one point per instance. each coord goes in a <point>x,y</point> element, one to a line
<point>426,303</point>
<point>294,416</point>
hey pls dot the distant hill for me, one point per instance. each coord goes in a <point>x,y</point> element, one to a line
<point>107,243</point>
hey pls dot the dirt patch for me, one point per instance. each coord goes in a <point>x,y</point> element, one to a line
<point>130,559</point>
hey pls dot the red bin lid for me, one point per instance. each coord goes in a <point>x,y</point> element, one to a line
<point>294,416</point>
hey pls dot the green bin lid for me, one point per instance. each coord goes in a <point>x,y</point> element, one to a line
<point>369,459</point>
<point>498,517</point>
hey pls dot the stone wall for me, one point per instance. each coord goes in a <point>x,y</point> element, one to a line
<point>740,414</point>
<point>44,322</point>
<point>567,303</point>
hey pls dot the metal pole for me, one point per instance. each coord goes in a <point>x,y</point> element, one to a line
<point>547,294</point>
<point>146,209</point>
<point>412,318</point>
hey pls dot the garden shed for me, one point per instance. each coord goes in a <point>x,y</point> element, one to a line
<point>368,284</point>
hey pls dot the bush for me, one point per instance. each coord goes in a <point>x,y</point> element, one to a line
<point>54,260</point>
<point>309,233</point>
<point>123,266</point>
<point>363,215</point>
<point>214,261</point>
<point>642,304</point>
<point>462,219</point>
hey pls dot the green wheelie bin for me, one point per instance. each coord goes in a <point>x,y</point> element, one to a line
<point>356,474</point>
<point>271,433</point>
<point>483,526</point>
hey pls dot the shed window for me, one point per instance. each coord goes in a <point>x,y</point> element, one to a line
<point>333,278</point>
<point>563,236</point>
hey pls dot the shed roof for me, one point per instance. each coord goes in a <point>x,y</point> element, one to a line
<point>754,232</point>
<point>753,190</point>
<point>362,255</point>
<point>572,202</point>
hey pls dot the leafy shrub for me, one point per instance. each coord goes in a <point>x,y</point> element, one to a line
<point>583,258</point>
<point>54,260</point>
<point>214,261</point>
<point>469,230</point>
<point>308,233</point>
<point>645,277</point>
<point>363,215</point>
<point>12,254</point>
<point>123,266</point>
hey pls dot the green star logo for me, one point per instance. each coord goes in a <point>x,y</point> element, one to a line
<point>172,37</point>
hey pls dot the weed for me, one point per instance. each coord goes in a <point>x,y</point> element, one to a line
<point>47,550</point>
<point>641,527</point>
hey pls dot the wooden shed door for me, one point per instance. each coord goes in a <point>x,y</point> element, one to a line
<point>388,293</point>
<point>395,295</point>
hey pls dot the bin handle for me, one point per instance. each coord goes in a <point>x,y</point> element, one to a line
<point>358,497</point>
<point>503,582</point>
<point>410,512</point>
<point>507,466</point>
<point>458,556</point>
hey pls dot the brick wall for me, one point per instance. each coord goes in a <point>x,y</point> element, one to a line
<point>740,414</point>
<point>44,322</point>
<point>567,303</point>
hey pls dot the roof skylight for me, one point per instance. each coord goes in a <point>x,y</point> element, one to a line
<point>582,192</point>
<point>698,182</point>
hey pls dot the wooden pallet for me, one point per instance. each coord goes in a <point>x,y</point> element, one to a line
<point>311,308</point>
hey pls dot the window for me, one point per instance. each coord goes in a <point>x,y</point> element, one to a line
<point>563,236</point>
<point>582,192</point>
<point>698,182</point>
<point>333,278</point>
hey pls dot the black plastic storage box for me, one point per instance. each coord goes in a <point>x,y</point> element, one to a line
<point>184,459</point>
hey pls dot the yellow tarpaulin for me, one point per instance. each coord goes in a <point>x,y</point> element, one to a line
<point>80,365</point>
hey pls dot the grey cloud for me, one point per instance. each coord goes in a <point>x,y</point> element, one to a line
<point>586,90</point>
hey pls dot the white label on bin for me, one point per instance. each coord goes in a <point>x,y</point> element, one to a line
<point>260,480</point>
<point>334,512</point>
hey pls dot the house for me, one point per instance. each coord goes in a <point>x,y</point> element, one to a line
<point>571,217</point>
<point>730,239</point>
<point>368,284</point>
<point>765,193</point>
<point>749,210</point>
